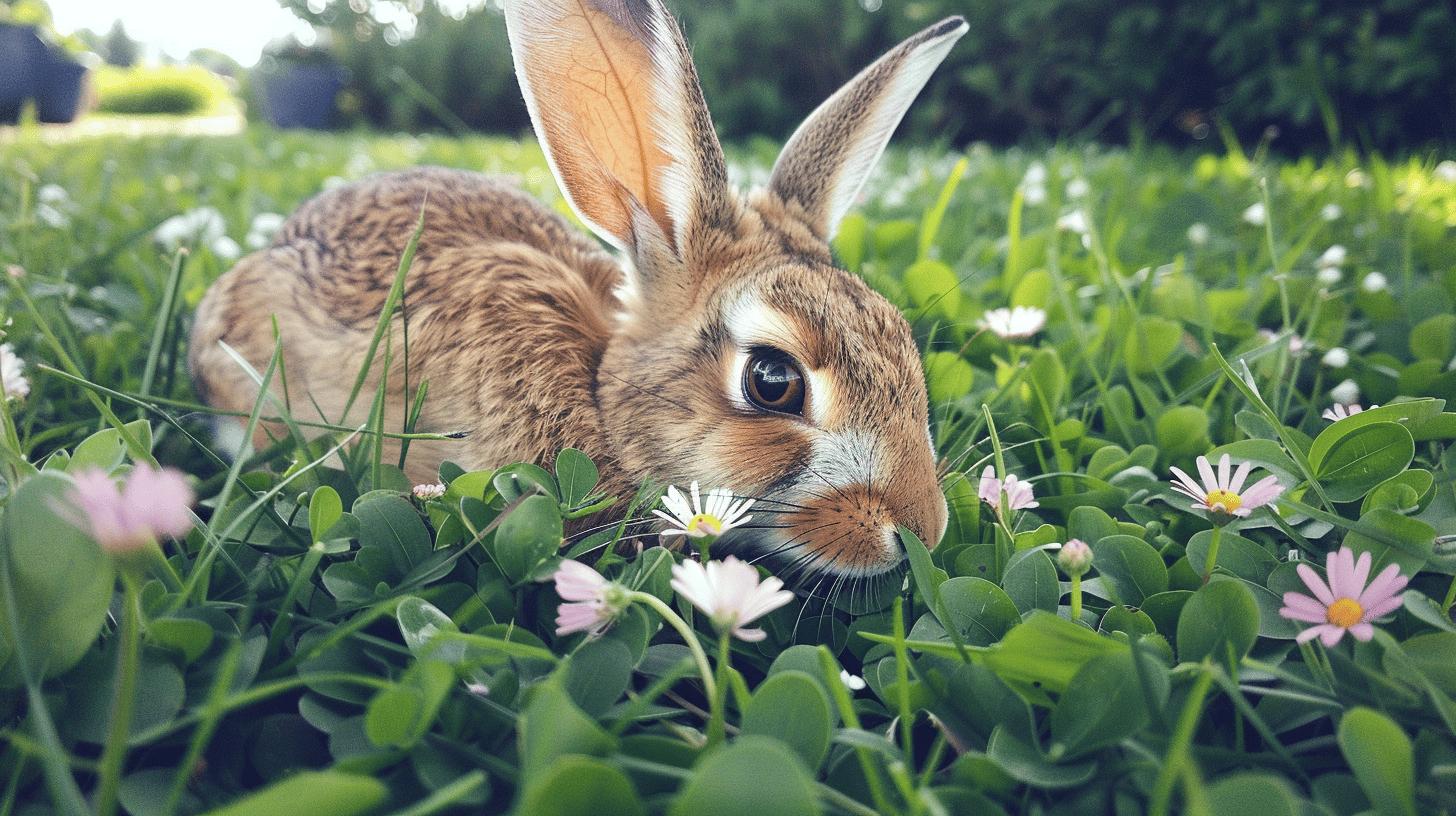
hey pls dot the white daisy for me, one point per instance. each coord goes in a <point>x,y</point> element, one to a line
<point>1256,214</point>
<point>730,594</point>
<point>1336,357</point>
<point>1331,212</point>
<point>1016,323</point>
<point>1334,256</point>
<point>1198,234</point>
<point>1346,393</point>
<point>699,519</point>
<point>12,374</point>
<point>1375,282</point>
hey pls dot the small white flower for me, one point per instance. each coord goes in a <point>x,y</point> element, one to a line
<point>1074,221</point>
<point>1256,214</point>
<point>1336,357</point>
<point>1034,194</point>
<point>52,217</point>
<point>1017,323</point>
<point>1296,343</point>
<point>1078,188</point>
<point>699,519</point>
<point>852,682</point>
<point>226,249</point>
<point>1337,412</point>
<point>1198,233</point>
<point>203,225</point>
<point>1346,393</point>
<point>730,594</point>
<point>1375,282</point>
<point>53,194</point>
<point>1331,212</point>
<point>12,374</point>
<point>1446,171</point>
<point>1329,275</point>
<point>425,492</point>
<point>1036,173</point>
<point>1334,256</point>
<point>261,231</point>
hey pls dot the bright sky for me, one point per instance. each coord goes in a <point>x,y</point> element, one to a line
<point>238,28</point>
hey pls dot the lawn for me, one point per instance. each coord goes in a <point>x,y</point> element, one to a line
<point>326,640</point>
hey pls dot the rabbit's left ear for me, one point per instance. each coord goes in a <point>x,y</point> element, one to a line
<point>614,96</point>
<point>827,160</point>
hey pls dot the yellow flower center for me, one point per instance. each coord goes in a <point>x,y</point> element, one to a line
<point>705,524</point>
<point>1224,501</point>
<point>1344,613</point>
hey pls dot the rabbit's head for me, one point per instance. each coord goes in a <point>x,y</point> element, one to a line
<point>744,357</point>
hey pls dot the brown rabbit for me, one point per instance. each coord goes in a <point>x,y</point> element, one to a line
<point>730,350</point>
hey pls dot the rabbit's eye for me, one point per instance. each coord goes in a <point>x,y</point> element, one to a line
<point>773,382</point>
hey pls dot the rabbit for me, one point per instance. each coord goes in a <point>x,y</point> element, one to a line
<point>724,347</point>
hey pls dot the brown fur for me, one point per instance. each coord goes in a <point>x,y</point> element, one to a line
<point>529,341</point>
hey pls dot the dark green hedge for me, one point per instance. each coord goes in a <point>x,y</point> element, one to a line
<point>1374,74</point>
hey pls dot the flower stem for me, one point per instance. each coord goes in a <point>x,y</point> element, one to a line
<point>718,713</point>
<point>675,620</point>
<point>1212,559</point>
<point>127,663</point>
<point>1177,756</point>
<point>1076,598</point>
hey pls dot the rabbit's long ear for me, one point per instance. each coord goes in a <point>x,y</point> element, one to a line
<point>614,97</point>
<point>827,160</point>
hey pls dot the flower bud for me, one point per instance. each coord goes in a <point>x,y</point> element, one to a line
<point>1075,558</point>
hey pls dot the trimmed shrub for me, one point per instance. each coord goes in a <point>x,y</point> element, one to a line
<point>171,89</point>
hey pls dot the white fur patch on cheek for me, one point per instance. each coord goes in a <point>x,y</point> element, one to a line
<point>843,458</point>
<point>733,387</point>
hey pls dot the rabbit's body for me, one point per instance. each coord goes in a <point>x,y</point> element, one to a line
<point>509,312</point>
<point>729,351</point>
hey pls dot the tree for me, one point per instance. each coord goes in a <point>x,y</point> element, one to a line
<point>120,50</point>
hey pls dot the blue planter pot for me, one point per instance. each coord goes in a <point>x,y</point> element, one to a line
<point>22,55</point>
<point>58,92</point>
<point>302,95</point>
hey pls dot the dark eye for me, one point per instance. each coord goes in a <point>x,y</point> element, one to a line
<point>773,382</point>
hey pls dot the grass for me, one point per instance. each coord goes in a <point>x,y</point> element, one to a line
<point>282,653</point>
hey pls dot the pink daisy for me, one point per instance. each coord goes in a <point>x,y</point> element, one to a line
<point>152,504</point>
<point>1018,493</point>
<point>1337,412</point>
<point>593,602</point>
<point>1346,603</point>
<point>1224,493</point>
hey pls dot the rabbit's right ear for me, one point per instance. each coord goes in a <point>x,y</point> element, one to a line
<point>615,101</point>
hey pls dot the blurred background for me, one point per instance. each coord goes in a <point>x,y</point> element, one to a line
<point>1305,76</point>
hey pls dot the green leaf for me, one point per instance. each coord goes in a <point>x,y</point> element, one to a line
<point>188,637</point>
<point>1102,705</point>
<point>400,716</point>
<point>59,580</point>
<point>1150,342</point>
<point>324,511</point>
<point>948,376</point>
<point>309,793</point>
<point>1025,764</point>
<point>597,674</point>
<point>1044,653</point>
<point>978,609</point>
<point>1221,615</point>
<point>933,286</point>
<point>576,475</point>
<point>393,539</point>
<point>1031,581</point>
<point>1182,431</point>
<point>754,776</point>
<point>1130,568</point>
<point>580,786</point>
<point>528,535</point>
<point>1392,538</point>
<point>1236,555</point>
<point>552,726</point>
<point>792,707</point>
<point>1248,793</point>
<point>1350,462</point>
<point>1381,756</point>
<point>419,623</point>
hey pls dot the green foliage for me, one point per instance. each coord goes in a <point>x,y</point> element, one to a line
<point>169,89</point>
<point>325,641</point>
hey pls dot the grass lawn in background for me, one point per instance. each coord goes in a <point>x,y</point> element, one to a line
<point>326,638</point>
